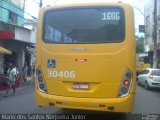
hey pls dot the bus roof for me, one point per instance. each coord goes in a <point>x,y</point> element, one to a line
<point>85,3</point>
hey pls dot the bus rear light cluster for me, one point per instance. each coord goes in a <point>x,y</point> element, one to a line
<point>40,80</point>
<point>125,84</point>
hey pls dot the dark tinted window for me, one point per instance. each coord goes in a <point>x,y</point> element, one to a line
<point>84,25</point>
<point>145,72</point>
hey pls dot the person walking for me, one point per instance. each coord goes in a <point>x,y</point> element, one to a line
<point>24,72</point>
<point>11,79</point>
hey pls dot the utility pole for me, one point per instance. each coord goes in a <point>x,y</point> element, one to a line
<point>40,3</point>
<point>155,35</point>
<point>24,5</point>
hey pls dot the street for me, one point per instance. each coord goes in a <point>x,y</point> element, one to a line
<point>147,101</point>
<point>79,48</point>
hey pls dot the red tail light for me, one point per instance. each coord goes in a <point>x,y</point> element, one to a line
<point>151,75</point>
<point>40,78</point>
<point>126,82</point>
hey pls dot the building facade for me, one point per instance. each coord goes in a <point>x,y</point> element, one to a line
<point>12,11</point>
<point>14,37</point>
<point>149,30</point>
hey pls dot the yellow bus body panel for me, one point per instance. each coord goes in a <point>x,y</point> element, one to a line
<point>103,61</point>
<point>120,104</point>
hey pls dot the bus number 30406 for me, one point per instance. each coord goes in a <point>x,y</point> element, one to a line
<point>61,74</point>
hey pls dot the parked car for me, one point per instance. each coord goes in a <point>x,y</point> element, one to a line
<point>149,78</point>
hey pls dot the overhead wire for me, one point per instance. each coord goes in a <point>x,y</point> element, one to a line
<point>143,14</point>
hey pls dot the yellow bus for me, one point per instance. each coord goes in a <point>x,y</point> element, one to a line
<point>85,57</point>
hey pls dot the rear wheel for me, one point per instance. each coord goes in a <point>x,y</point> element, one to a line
<point>146,85</point>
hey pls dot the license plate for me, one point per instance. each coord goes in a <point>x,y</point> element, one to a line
<point>81,86</point>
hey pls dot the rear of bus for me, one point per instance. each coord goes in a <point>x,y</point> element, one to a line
<point>86,57</point>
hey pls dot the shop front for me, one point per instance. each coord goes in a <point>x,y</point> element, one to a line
<point>3,68</point>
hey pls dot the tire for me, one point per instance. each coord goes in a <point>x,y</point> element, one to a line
<point>146,86</point>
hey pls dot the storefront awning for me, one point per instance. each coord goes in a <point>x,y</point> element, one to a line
<point>5,51</point>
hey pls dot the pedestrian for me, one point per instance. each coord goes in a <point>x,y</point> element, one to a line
<point>29,70</point>
<point>11,79</point>
<point>5,68</point>
<point>14,67</point>
<point>24,72</point>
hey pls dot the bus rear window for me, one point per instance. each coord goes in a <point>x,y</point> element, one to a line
<point>84,25</point>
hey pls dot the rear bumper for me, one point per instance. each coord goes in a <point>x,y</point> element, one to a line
<point>124,104</point>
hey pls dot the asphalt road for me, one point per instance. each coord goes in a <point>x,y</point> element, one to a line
<point>147,101</point>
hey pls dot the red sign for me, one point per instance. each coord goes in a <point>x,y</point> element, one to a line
<point>4,34</point>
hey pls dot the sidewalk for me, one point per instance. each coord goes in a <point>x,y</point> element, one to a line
<point>29,82</point>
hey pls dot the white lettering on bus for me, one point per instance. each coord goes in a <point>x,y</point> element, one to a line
<point>111,16</point>
<point>61,74</point>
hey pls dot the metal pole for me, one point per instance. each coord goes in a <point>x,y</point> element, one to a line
<point>40,3</point>
<point>24,5</point>
<point>155,35</point>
